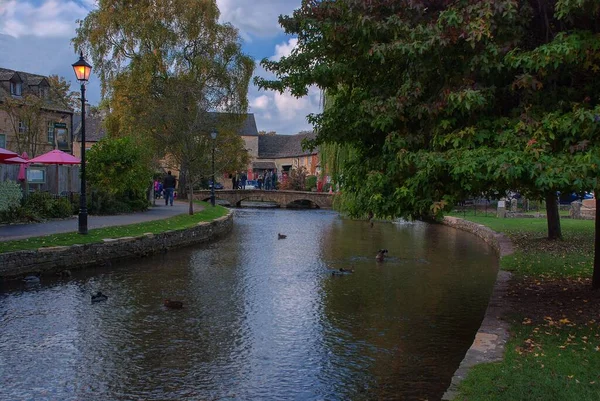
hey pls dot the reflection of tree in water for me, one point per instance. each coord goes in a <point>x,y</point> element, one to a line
<point>418,311</point>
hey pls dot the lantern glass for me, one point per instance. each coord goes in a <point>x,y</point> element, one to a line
<point>213,134</point>
<point>82,69</point>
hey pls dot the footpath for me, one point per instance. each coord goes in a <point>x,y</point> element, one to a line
<point>11,232</point>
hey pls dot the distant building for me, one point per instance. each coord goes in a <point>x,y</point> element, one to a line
<point>35,131</point>
<point>283,153</point>
<point>94,131</point>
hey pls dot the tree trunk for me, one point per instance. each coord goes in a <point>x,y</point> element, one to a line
<point>552,216</point>
<point>596,273</point>
<point>191,199</point>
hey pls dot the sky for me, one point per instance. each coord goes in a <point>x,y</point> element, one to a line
<point>35,37</point>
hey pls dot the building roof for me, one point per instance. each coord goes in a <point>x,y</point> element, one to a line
<point>94,128</point>
<point>28,80</point>
<point>263,166</point>
<point>279,146</point>
<point>247,127</point>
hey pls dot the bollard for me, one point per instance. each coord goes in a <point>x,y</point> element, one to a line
<point>501,211</point>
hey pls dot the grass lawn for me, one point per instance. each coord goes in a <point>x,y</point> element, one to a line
<point>554,351</point>
<point>96,235</point>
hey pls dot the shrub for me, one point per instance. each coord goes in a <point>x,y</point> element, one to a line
<point>10,195</point>
<point>296,180</point>
<point>119,175</point>
<point>311,182</point>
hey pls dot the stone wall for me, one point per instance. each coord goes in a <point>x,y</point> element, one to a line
<point>490,340</point>
<point>55,259</point>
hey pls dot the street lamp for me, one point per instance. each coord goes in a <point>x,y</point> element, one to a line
<point>82,72</point>
<point>213,135</point>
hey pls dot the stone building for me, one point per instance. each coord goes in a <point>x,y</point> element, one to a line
<point>30,120</point>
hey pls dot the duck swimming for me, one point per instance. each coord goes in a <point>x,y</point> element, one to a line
<point>173,304</point>
<point>381,254</point>
<point>31,279</point>
<point>341,271</point>
<point>99,297</point>
<point>281,236</point>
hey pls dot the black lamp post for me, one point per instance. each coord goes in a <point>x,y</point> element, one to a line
<point>82,72</point>
<point>213,135</point>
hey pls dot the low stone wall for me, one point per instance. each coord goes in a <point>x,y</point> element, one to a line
<point>489,342</point>
<point>55,259</point>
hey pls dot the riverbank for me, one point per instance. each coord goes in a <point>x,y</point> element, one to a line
<point>552,312</point>
<point>53,253</point>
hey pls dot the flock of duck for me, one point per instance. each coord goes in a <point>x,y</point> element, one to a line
<point>100,297</point>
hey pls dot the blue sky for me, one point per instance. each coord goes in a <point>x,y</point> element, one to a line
<point>35,37</point>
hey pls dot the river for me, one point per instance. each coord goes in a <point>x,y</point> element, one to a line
<point>263,318</point>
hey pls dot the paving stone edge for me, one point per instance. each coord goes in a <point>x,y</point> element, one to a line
<point>490,340</point>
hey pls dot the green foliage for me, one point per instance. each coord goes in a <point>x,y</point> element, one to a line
<point>440,101</point>
<point>10,195</point>
<point>119,176</point>
<point>310,183</point>
<point>43,205</point>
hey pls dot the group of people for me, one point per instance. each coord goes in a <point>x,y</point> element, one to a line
<point>165,188</point>
<point>267,180</point>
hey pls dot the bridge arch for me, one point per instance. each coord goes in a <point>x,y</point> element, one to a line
<point>281,198</point>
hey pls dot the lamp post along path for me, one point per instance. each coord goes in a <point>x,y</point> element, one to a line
<point>82,72</point>
<point>213,135</point>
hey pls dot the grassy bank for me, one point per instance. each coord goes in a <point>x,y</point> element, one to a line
<point>554,351</point>
<point>209,213</point>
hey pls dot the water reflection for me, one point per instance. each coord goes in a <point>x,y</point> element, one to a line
<point>263,318</point>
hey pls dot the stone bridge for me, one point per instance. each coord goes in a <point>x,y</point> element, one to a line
<point>321,200</point>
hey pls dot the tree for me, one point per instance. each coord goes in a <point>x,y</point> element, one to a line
<point>164,65</point>
<point>27,120</point>
<point>442,100</point>
<point>61,93</point>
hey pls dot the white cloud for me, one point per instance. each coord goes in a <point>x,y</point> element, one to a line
<point>284,49</point>
<point>52,18</point>
<point>284,113</point>
<point>256,18</point>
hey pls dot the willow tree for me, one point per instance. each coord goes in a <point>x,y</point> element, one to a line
<point>164,65</point>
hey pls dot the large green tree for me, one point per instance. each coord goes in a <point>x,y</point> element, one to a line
<point>441,100</point>
<point>164,65</point>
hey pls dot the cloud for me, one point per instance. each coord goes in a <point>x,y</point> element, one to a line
<point>284,49</point>
<point>51,18</point>
<point>256,18</point>
<point>282,112</point>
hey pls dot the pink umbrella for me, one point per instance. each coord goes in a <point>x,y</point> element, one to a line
<point>7,154</point>
<point>13,160</point>
<point>55,157</point>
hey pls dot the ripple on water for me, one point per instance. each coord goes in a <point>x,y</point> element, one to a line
<point>263,318</point>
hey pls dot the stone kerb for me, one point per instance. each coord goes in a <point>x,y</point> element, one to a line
<point>491,338</point>
<point>52,259</point>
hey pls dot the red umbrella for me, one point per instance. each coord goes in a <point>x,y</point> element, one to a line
<point>7,154</point>
<point>55,157</point>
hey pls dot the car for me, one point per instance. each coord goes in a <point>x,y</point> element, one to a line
<point>251,184</point>
<point>566,199</point>
<point>218,185</point>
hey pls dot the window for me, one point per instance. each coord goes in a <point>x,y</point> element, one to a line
<point>2,140</point>
<point>50,131</point>
<point>16,88</point>
<point>22,127</point>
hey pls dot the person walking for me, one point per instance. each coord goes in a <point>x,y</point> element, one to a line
<point>169,187</point>
<point>243,178</point>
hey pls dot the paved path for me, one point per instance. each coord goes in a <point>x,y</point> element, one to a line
<point>160,211</point>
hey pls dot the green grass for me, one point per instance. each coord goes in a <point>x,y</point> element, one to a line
<point>158,226</point>
<point>550,362</point>
<point>551,358</point>
<point>535,255</point>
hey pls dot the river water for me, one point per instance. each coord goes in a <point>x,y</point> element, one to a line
<point>263,319</point>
